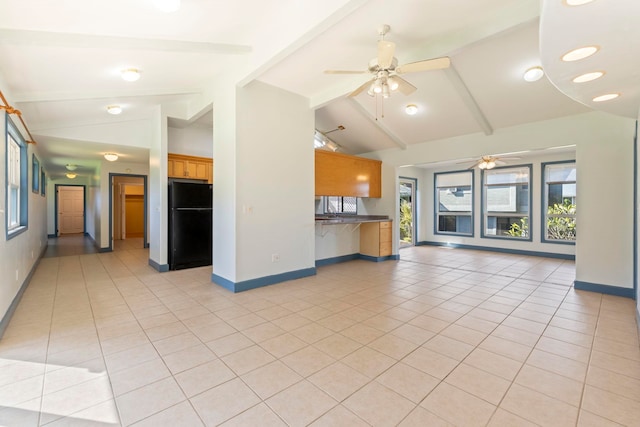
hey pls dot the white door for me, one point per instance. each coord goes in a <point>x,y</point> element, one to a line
<point>70,210</point>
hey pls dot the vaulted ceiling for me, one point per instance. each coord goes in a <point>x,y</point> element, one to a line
<point>60,63</point>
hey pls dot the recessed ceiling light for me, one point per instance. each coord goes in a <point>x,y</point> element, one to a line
<point>112,157</point>
<point>167,5</point>
<point>114,109</point>
<point>576,2</point>
<point>587,77</point>
<point>70,175</point>
<point>130,74</point>
<point>533,74</point>
<point>579,53</point>
<point>606,97</point>
<point>411,109</point>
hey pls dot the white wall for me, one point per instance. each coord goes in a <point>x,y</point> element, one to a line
<point>275,187</point>
<point>18,256</point>
<point>192,140</point>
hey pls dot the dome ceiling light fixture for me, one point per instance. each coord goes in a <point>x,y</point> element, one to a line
<point>111,157</point>
<point>588,77</point>
<point>130,74</point>
<point>71,167</point>
<point>576,2</point>
<point>70,175</point>
<point>167,6</point>
<point>533,74</point>
<point>579,53</point>
<point>114,109</point>
<point>411,109</point>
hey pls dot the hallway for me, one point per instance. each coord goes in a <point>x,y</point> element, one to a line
<point>443,337</point>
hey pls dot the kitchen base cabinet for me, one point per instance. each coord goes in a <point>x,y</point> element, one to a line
<point>375,239</point>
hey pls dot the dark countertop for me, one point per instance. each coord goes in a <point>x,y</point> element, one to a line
<point>349,219</point>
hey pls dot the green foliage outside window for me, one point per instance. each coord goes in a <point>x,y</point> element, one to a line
<point>563,226</point>
<point>406,221</point>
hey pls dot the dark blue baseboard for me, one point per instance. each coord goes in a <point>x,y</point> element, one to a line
<point>351,257</point>
<point>103,250</point>
<point>605,289</point>
<point>336,260</point>
<point>262,281</point>
<point>51,236</point>
<point>500,250</point>
<point>161,268</point>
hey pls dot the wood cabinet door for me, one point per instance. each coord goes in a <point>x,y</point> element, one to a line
<point>199,170</point>
<point>179,168</point>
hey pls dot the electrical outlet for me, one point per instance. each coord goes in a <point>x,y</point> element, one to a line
<point>275,257</point>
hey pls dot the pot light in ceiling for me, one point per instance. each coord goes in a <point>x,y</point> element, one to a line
<point>114,109</point>
<point>71,167</point>
<point>579,53</point>
<point>71,175</point>
<point>587,77</point>
<point>533,74</point>
<point>576,2</point>
<point>606,97</point>
<point>112,157</point>
<point>167,6</point>
<point>411,109</point>
<point>130,74</point>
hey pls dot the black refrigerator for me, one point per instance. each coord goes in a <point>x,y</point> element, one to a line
<point>190,218</point>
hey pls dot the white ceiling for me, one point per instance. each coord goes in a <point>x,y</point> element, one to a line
<point>60,62</point>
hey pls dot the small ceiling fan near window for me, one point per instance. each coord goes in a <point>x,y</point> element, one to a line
<point>385,71</point>
<point>490,162</point>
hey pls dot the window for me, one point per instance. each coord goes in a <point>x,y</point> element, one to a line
<point>454,203</point>
<point>506,201</point>
<point>338,204</point>
<point>559,221</point>
<point>16,180</point>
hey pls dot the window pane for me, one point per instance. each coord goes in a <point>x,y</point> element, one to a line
<point>562,172</point>
<point>455,199</point>
<point>508,198</point>
<point>507,176</point>
<point>560,221</point>
<point>507,226</point>
<point>459,179</point>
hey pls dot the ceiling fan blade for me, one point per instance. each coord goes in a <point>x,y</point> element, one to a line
<point>404,86</point>
<point>386,50</point>
<point>345,72</point>
<point>426,65</point>
<point>360,88</point>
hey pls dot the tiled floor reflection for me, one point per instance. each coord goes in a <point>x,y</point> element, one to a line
<point>441,338</point>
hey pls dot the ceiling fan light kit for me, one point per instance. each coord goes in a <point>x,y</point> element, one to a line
<point>385,71</point>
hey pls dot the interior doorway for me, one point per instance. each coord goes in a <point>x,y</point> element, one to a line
<point>70,208</point>
<point>407,222</point>
<point>128,209</point>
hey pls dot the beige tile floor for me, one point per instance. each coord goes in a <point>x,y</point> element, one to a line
<point>443,337</point>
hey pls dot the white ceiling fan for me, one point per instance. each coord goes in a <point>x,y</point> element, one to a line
<point>490,162</point>
<point>385,71</point>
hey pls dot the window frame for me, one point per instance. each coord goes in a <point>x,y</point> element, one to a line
<point>325,204</point>
<point>484,212</point>
<point>11,231</point>
<point>545,202</point>
<point>436,197</point>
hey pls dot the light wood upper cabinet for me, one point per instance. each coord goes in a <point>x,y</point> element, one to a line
<point>192,167</point>
<point>339,174</point>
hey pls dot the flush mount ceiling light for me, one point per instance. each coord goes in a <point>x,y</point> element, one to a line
<point>167,5</point>
<point>587,77</point>
<point>130,74</point>
<point>411,109</point>
<point>579,53</point>
<point>576,2</point>
<point>70,175</point>
<point>71,167</point>
<point>114,109</point>
<point>112,157</point>
<point>533,74</point>
<point>606,97</point>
